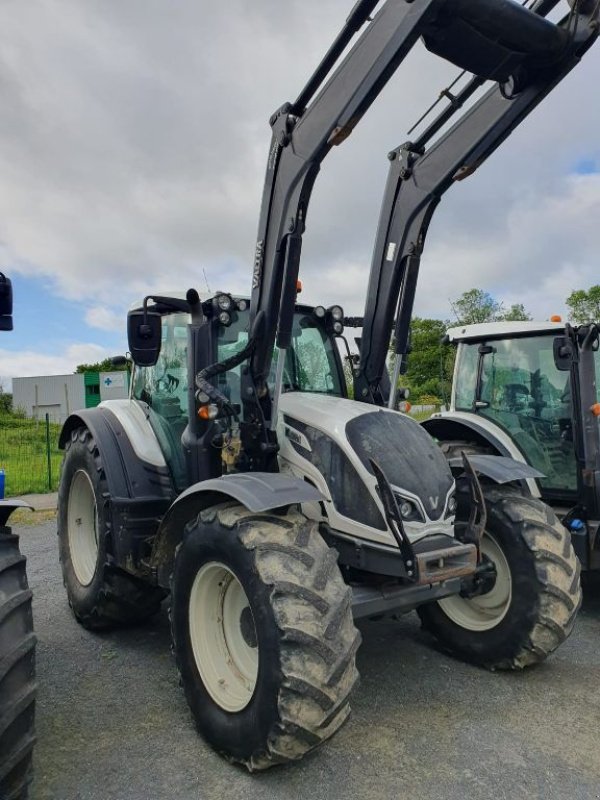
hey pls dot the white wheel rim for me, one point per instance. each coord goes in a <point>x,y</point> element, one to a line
<point>484,612</point>
<point>82,525</point>
<point>223,636</point>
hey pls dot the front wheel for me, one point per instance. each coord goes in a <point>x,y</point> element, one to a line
<point>263,634</point>
<point>529,608</point>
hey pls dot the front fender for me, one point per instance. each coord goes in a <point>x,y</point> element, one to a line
<point>500,469</point>
<point>257,491</point>
<point>463,426</point>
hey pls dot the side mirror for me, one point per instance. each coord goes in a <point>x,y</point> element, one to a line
<point>563,353</point>
<point>144,337</point>
<point>6,304</point>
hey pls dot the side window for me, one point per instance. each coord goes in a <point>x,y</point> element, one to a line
<point>167,379</point>
<point>465,379</point>
<point>164,388</point>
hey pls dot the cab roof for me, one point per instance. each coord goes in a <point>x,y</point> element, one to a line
<point>502,330</point>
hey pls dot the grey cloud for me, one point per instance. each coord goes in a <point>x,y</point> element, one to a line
<point>133,142</point>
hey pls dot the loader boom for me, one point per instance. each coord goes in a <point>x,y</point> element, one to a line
<point>419,176</point>
<point>495,39</point>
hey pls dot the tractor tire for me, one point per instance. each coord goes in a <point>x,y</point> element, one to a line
<point>263,634</point>
<point>100,594</point>
<point>531,608</point>
<point>17,672</point>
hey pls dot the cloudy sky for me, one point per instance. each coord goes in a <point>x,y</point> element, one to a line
<point>133,141</point>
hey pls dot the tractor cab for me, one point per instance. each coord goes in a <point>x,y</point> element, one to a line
<point>506,373</point>
<point>312,364</point>
<point>528,390</point>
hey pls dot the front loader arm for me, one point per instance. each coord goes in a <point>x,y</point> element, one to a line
<point>419,177</point>
<point>487,34</point>
<point>302,137</point>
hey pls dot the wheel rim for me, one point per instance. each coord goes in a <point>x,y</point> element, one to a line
<point>223,636</point>
<point>484,612</point>
<point>82,524</point>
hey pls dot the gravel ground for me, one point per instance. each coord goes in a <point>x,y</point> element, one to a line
<point>112,722</point>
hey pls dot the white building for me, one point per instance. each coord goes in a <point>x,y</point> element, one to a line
<point>61,395</point>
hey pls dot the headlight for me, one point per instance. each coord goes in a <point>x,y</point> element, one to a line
<point>319,312</point>
<point>409,511</point>
<point>337,313</point>
<point>224,302</point>
<point>338,328</point>
<point>242,305</point>
<point>451,506</point>
<point>406,509</point>
<point>225,319</point>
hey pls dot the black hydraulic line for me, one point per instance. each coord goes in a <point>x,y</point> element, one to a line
<point>393,518</point>
<point>356,19</point>
<point>456,103</point>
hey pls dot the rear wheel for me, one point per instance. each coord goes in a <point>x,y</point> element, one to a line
<point>530,608</point>
<point>263,634</point>
<point>99,594</point>
<point>17,672</point>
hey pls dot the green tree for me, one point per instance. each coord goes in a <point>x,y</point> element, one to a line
<point>476,306</point>
<point>5,401</point>
<point>430,362</point>
<point>100,366</point>
<point>584,305</point>
<point>516,313</point>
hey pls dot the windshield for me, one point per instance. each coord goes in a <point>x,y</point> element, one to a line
<point>526,395</point>
<point>310,366</point>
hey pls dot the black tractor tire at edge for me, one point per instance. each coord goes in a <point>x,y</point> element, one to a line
<point>113,597</point>
<point>546,587</point>
<point>304,632</point>
<point>17,672</point>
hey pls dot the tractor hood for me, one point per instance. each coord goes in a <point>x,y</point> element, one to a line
<point>338,438</point>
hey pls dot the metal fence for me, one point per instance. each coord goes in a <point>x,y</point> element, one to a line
<point>29,455</point>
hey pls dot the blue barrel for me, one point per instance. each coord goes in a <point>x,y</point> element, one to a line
<point>1,484</point>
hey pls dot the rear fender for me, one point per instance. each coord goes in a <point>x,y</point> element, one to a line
<point>140,491</point>
<point>257,491</point>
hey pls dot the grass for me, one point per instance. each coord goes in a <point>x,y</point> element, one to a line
<point>24,455</point>
<point>421,416</point>
<point>26,519</point>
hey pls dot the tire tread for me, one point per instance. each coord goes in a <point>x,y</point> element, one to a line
<point>17,672</point>
<point>312,611</point>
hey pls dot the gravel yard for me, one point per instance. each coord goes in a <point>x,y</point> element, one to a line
<point>112,722</point>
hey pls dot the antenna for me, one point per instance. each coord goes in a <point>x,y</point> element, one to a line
<point>206,280</point>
